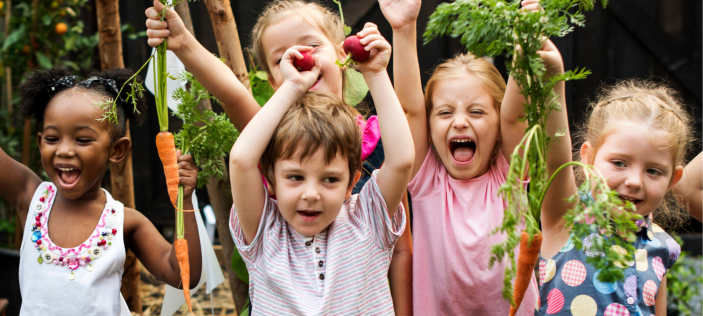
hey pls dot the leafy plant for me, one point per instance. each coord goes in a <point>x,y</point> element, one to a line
<point>497,27</point>
<point>683,284</point>
<point>205,135</point>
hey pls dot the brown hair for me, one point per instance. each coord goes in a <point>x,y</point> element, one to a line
<point>642,102</point>
<point>463,66</point>
<point>316,121</point>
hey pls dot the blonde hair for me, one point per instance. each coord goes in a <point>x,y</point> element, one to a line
<point>316,121</point>
<point>463,66</point>
<point>642,102</point>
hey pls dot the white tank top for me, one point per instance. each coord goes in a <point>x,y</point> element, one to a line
<point>84,280</point>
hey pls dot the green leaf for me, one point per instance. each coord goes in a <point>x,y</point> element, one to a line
<point>43,60</point>
<point>46,20</point>
<point>347,30</point>
<point>239,267</point>
<point>14,37</point>
<point>70,42</point>
<point>262,75</point>
<point>356,88</point>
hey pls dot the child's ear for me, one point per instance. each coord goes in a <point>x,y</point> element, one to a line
<point>272,82</point>
<point>357,176</point>
<point>678,174</point>
<point>270,188</point>
<point>39,140</point>
<point>119,150</point>
<point>586,152</point>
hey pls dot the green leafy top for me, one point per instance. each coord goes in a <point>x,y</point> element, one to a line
<point>497,27</point>
<point>207,136</point>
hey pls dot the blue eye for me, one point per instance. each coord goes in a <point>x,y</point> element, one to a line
<point>654,172</point>
<point>619,163</point>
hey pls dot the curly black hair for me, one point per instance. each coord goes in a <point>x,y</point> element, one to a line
<point>41,86</point>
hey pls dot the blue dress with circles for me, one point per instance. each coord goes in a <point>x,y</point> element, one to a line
<point>569,286</point>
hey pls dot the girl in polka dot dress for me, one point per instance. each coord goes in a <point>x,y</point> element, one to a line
<point>637,137</point>
<point>78,270</point>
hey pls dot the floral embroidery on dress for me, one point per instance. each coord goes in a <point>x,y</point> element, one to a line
<point>82,256</point>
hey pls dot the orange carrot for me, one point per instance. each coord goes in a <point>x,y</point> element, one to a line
<point>166,147</point>
<point>184,264</point>
<point>525,267</point>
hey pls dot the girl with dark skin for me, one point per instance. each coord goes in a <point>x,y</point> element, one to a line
<point>76,149</point>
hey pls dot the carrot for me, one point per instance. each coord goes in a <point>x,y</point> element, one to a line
<point>184,265</point>
<point>166,147</point>
<point>529,252</point>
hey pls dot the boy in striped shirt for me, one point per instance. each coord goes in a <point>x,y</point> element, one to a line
<point>316,249</point>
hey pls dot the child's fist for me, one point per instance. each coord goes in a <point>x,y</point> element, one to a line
<point>172,27</point>
<point>377,46</point>
<point>302,79</point>
<point>187,174</point>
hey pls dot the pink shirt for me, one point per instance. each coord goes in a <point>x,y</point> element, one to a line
<point>370,134</point>
<point>452,243</point>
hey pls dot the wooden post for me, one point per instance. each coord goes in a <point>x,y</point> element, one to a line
<point>110,45</point>
<point>219,191</point>
<point>227,38</point>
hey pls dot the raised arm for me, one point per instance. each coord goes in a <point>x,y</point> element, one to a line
<point>157,254</point>
<point>554,206</point>
<point>689,191</point>
<point>214,75</point>
<point>248,193</point>
<point>17,184</point>
<point>511,111</point>
<point>394,175</point>
<point>402,15</point>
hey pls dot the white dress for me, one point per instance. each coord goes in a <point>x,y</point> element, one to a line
<point>84,280</point>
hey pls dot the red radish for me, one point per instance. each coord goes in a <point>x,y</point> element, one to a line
<point>355,51</point>
<point>306,63</point>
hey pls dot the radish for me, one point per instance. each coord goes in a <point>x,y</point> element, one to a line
<point>306,63</point>
<point>355,51</point>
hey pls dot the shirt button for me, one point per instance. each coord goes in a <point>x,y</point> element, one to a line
<point>630,300</point>
<point>308,243</point>
<point>320,263</point>
<point>317,249</point>
<point>322,276</point>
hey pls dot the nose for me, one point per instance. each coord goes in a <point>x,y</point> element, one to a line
<point>311,194</point>
<point>460,121</point>
<point>65,149</point>
<point>634,180</point>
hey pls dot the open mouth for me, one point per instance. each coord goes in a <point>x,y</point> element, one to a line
<point>68,176</point>
<point>462,149</point>
<point>309,215</point>
<point>316,82</point>
<point>634,201</point>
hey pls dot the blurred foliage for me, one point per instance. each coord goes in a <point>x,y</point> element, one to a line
<point>683,284</point>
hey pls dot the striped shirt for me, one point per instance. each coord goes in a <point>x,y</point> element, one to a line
<point>340,271</point>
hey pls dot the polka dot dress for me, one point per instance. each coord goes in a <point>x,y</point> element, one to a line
<point>570,286</point>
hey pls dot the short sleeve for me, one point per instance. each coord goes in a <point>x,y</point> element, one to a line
<point>251,252</point>
<point>674,250</point>
<point>370,208</point>
<point>427,179</point>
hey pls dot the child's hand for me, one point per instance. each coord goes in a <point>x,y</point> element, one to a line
<point>552,58</point>
<point>378,46</point>
<point>172,27</point>
<point>400,13</point>
<point>302,80</point>
<point>187,174</point>
<point>530,5</point>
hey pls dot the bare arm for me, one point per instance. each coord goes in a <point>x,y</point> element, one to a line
<point>17,185</point>
<point>248,193</point>
<point>660,302</point>
<point>511,111</point>
<point>157,254</point>
<point>213,74</point>
<point>402,15</point>
<point>689,191</point>
<point>394,175</point>
<point>400,273</point>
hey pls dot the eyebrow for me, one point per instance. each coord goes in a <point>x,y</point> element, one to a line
<point>79,127</point>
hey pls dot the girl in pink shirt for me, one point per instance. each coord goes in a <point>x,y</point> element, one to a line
<point>464,130</point>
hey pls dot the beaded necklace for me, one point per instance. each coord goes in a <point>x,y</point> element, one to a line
<point>82,256</point>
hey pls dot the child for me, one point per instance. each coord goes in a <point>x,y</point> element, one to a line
<point>464,132</point>
<point>78,270</point>
<point>689,191</point>
<point>317,249</point>
<point>637,137</point>
<point>283,24</point>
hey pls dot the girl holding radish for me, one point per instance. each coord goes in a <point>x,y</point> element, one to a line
<point>637,136</point>
<point>75,234</point>
<point>284,24</point>
<point>464,128</point>
<point>318,249</point>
